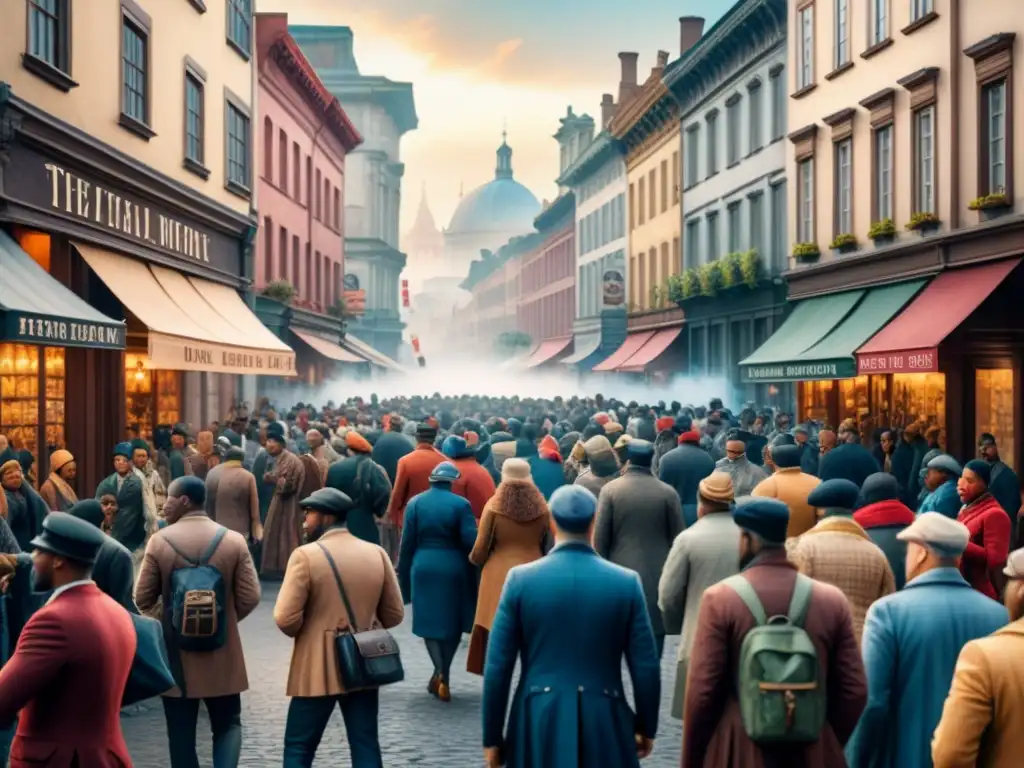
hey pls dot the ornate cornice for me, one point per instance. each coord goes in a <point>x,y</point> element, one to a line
<point>650,126</point>
<point>601,149</point>
<point>878,98</point>
<point>990,45</point>
<point>628,114</point>
<point>919,78</point>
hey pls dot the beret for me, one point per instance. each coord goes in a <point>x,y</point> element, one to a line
<point>766,518</point>
<point>329,501</point>
<point>455,447</point>
<point>945,463</point>
<point>838,493</point>
<point>690,436</point>
<point>573,508</point>
<point>445,472</point>
<point>937,532</point>
<point>981,468</point>
<point>356,442</point>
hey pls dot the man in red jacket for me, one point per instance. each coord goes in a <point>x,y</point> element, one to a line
<point>72,660</point>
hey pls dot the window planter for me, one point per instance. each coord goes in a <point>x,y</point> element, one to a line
<point>806,253</point>
<point>924,223</point>
<point>881,241</point>
<point>844,243</point>
<point>882,232</point>
<point>991,206</point>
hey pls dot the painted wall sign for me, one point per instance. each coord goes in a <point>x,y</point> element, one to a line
<point>842,368</point>
<point>61,332</point>
<point>902,361</point>
<point>67,192</point>
<point>181,354</point>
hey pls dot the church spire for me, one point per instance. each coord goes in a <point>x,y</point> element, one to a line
<point>504,167</point>
<point>424,218</point>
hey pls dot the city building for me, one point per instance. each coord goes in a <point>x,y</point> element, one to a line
<point>731,90</point>
<point>487,323</point>
<point>423,246</point>
<point>305,136</point>
<point>127,227</point>
<point>906,224</point>
<point>382,110</point>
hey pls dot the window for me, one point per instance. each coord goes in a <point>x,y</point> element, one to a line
<point>712,121</point>
<point>318,280</point>
<point>675,178</point>
<point>652,276</point>
<point>195,110</point>
<point>843,223</point>
<point>240,25</point>
<point>692,149</point>
<point>652,195</point>
<point>879,21</point>
<point>919,9</point>
<point>713,252</point>
<point>297,170</point>
<point>842,33</point>
<point>666,266</point>
<point>735,228</point>
<point>755,116</point>
<point>268,149</point>
<point>239,170</point>
<point>282,158</point>
<point>632,207</point>
<point>732,136</point>
<point>805,52</point>
<point>677,264</point>
<point>327,203</point>
<point>924,160</point>
<point>316,210</point>
<point>337,208</point>
<point>295,261</point>
<point>641,208</point>
<point>883,173</point>
<point>805,202</point>
<point>994,138</point>
<point>778,84</point>
<point>49,33</point>
<point>309,271</point>
<point>779,226</point>
<point>692,255</point>
<point>282,255</point>
<point>135,75</point>
<point>757,223</point>
<point>664,185</point>
<point>268,250</point>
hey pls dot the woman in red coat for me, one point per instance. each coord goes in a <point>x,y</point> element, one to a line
<point>989,526</point>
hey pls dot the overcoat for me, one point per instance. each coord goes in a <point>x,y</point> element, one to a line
<point>412,478</point>
<point>130,525</point>
<point>986,553</point>
<point>365,482</point>
<point>237,502</point>
<point>792,486</point>
<point>283,531</point>
<point>883,521</point>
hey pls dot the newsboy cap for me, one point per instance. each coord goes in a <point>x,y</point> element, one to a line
<point>329,501</point>
<point>68,536</point>
<point>1015,564</point>
<point>640,453</point>
<point>934,530</point>
<point>766,518</point>
<point>573,508</point>
<point>838,493</point>
<point>945,463</point>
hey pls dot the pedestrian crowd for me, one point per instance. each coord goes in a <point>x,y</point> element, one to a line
<point>837,596</point>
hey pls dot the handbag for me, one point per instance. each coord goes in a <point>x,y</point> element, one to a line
<point>151,669</point>
<point>367,659</point>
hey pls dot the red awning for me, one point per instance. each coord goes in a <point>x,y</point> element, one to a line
<point>910,343</point>
<point>548,350</point>
<point>629,348</point>
<point>651,351</point>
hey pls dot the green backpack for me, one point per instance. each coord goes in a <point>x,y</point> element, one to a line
<point>781,694</point>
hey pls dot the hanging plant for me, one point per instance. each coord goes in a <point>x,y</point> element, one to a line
<point>751,268</point>
<point>280,290</point>
<point>709,276</point>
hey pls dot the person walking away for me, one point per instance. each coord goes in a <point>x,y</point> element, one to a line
<point>1004,483</point>
<point>906,462</point>
<point>941,476</point>
<point>282,533</point>
<point>57,490</point>
<point>20,505</point>
<point>701,556</point>
<point>475,482</point>
<point>571,619</point>
<point>434,573</point>
<point>684,467</point>
<point>602,465</point>
<point>412,478</point>
<point>131,525</point>
<point>668,432</point>
<point>714,733</point>
<point>985,556</point>
<point>366,483</point>
<point>154,493</point>
<point>911,642</point>
<point>313,477</point>
<point>546,471</point>
<point>113,570</point>
<point>65,679</point>
<point>391,447</point>
<point>792,486</point>
<point>849,460</point>
<point>883,516</point>
<point>839,552</point>
<point>638,519</point>
<point>515,528</point>
<point>192,555</point>
<point>311,610</point>
<point>980,723</point>
<point>200,462</point>
<point>236,503</point>
<point>745,474</point>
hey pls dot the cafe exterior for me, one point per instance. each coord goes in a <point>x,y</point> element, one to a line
<point>122,294</point>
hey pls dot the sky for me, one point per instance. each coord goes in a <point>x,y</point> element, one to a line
<point>480,65</point>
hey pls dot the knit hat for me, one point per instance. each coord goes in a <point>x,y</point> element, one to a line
<point>60,459</point>
<point>602,418</point>
<point>579,450</point>
<point>504,450</point>
<point>945,463</point>
<point>8,460</point>
<point>356,442</point>
<point>640,453</point>
<point>981,468</point>
<point>455,447</point>
<point>516,471</point>
<point>180,429</point>
<point>837,493</point>
<point>717,487</point>
<point>123,449</point>
<point>612,429</point>
<point>664,424</point>
<point>548,449</point>
<point>138,444</point>
<point>879,486</point>
<point>426,433</point>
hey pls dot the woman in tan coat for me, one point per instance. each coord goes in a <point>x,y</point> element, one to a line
<point>515,528</point>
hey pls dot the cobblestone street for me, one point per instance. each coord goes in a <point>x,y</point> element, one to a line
<point>415,729</point>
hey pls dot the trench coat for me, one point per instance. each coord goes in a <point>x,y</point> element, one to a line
<point>236,503</point>
<point>283,531</point>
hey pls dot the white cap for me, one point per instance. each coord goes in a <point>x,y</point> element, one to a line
<point>936,531</point>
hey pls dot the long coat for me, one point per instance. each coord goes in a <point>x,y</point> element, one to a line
<point>475,483</point>
<point>980,723</point>
<point>683,468</point>
<point>911,642</point>
<point>985,556</point>
<point>433,568</point>
<point>701,556</point>
<point>25,510</point>
<point>236,503</point>
<point>791,486</point>
<point>367,484</point>
<point>389,449</point>
<point>309,607</point>
<point>202,674</point>
<point>883,522</point>
<point>570,707</point>
<point>313,476</point>
<point>713,734</point>
<point>638,519</point>
<point>130,525</point>
<point>114,572</point>
<point>413,477</point>
<point>283,531</point>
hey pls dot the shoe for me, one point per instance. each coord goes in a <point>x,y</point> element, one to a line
<point>433,685</point>
<point>443,693</point>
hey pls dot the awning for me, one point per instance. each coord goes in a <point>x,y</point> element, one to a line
<point>519,361</point>
<point>650,351</point>
<point>585,344</point>
<point>194,324</point>
<point>329,349</point>
<point>548,350</point>
<point>629,348</point>
<point>365,351</point>
<point>910,343</point>
<point>37,309</point>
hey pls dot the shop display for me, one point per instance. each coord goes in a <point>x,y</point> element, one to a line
<point>151,397</point>
<point>814,401</point>
<point>19,396</point>
<point>919,397</point>
<point>55,388</point>
<point>993,409</point>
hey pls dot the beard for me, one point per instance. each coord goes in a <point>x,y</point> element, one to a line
<point>312,534</point>
<point>40,581</point>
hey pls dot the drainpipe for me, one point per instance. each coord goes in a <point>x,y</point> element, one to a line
<point>954,111</point>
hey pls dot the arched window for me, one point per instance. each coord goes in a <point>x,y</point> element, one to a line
<point>268,149</point>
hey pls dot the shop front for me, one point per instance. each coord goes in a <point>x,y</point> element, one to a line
<point>160,261</point>
<point>655,346</point>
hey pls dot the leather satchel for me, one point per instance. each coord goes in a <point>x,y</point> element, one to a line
<point>367,659</point>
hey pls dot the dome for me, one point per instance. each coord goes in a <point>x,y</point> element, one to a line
<point>500,205</point>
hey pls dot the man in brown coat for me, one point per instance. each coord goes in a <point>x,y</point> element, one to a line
<point>235,501</point>
<point>413,474</point>
<point>310,608</point>
<point>217,677</point>
<point>283,530</point>
<point>713,732</point>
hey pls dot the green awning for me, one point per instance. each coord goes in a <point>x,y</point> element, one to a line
<point>35,308</point>
<point>836,326</point>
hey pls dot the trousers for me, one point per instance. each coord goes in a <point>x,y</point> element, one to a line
<point>225,721</point>
<point>307,720</point>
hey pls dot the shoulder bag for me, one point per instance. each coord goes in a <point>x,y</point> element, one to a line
<point>367,659</point>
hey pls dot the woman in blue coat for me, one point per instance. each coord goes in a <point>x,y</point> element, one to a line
<point>434,572</point>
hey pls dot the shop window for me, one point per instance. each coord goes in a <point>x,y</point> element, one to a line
<point>993,409</point>
<point>152,397</point>
<point>55,388</point>
<point>919,397</point>
<point>814,397</point>
<point>19,396</point>
<point>853,404</point>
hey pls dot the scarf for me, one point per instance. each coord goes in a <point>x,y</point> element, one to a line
<point>65,490</point>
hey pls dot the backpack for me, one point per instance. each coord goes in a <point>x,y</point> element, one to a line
<point>197,601</point>
<point>781,693</point>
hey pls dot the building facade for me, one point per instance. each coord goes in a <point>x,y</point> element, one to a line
<point>382,110</point>
<point>126,185</point>
<point>731,89</point>
<point>905,226</point>
<point>483,325</point>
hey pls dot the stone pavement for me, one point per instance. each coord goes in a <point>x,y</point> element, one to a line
<point>415,728</point>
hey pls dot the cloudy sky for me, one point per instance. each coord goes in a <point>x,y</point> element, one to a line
<point>476,66</point>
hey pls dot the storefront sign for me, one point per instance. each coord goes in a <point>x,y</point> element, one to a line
<point>60,332</point>
<point>903,361</point>
<point>842,368</point>
<point>64,191</point>
<point>179,354</point>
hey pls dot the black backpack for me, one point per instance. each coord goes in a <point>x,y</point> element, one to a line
<point>196,609</point>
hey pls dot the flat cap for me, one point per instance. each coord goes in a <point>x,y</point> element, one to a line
<point>717,487</point>
<point>68,536</point>
<point>837,493</point>
<point>766,518</point>
<point>1015,564</point>
<point>945,463</point>
<point>573,508</point>
<point>934,530</point>
<point>330,501</point>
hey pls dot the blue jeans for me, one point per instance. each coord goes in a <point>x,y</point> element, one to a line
<point>307,719</point>
<point>225,722</point>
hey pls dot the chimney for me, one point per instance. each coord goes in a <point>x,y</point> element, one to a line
<point>690,30</point>
<point>659,67</point>
<point>627,83</point>
<point>607,110</point>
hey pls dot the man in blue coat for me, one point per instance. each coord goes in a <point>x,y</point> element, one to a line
<point>570,618</point>
<point>940,479</point>
<point>911,643</point>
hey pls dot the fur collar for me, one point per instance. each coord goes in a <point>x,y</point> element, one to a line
<point>518,500</point>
